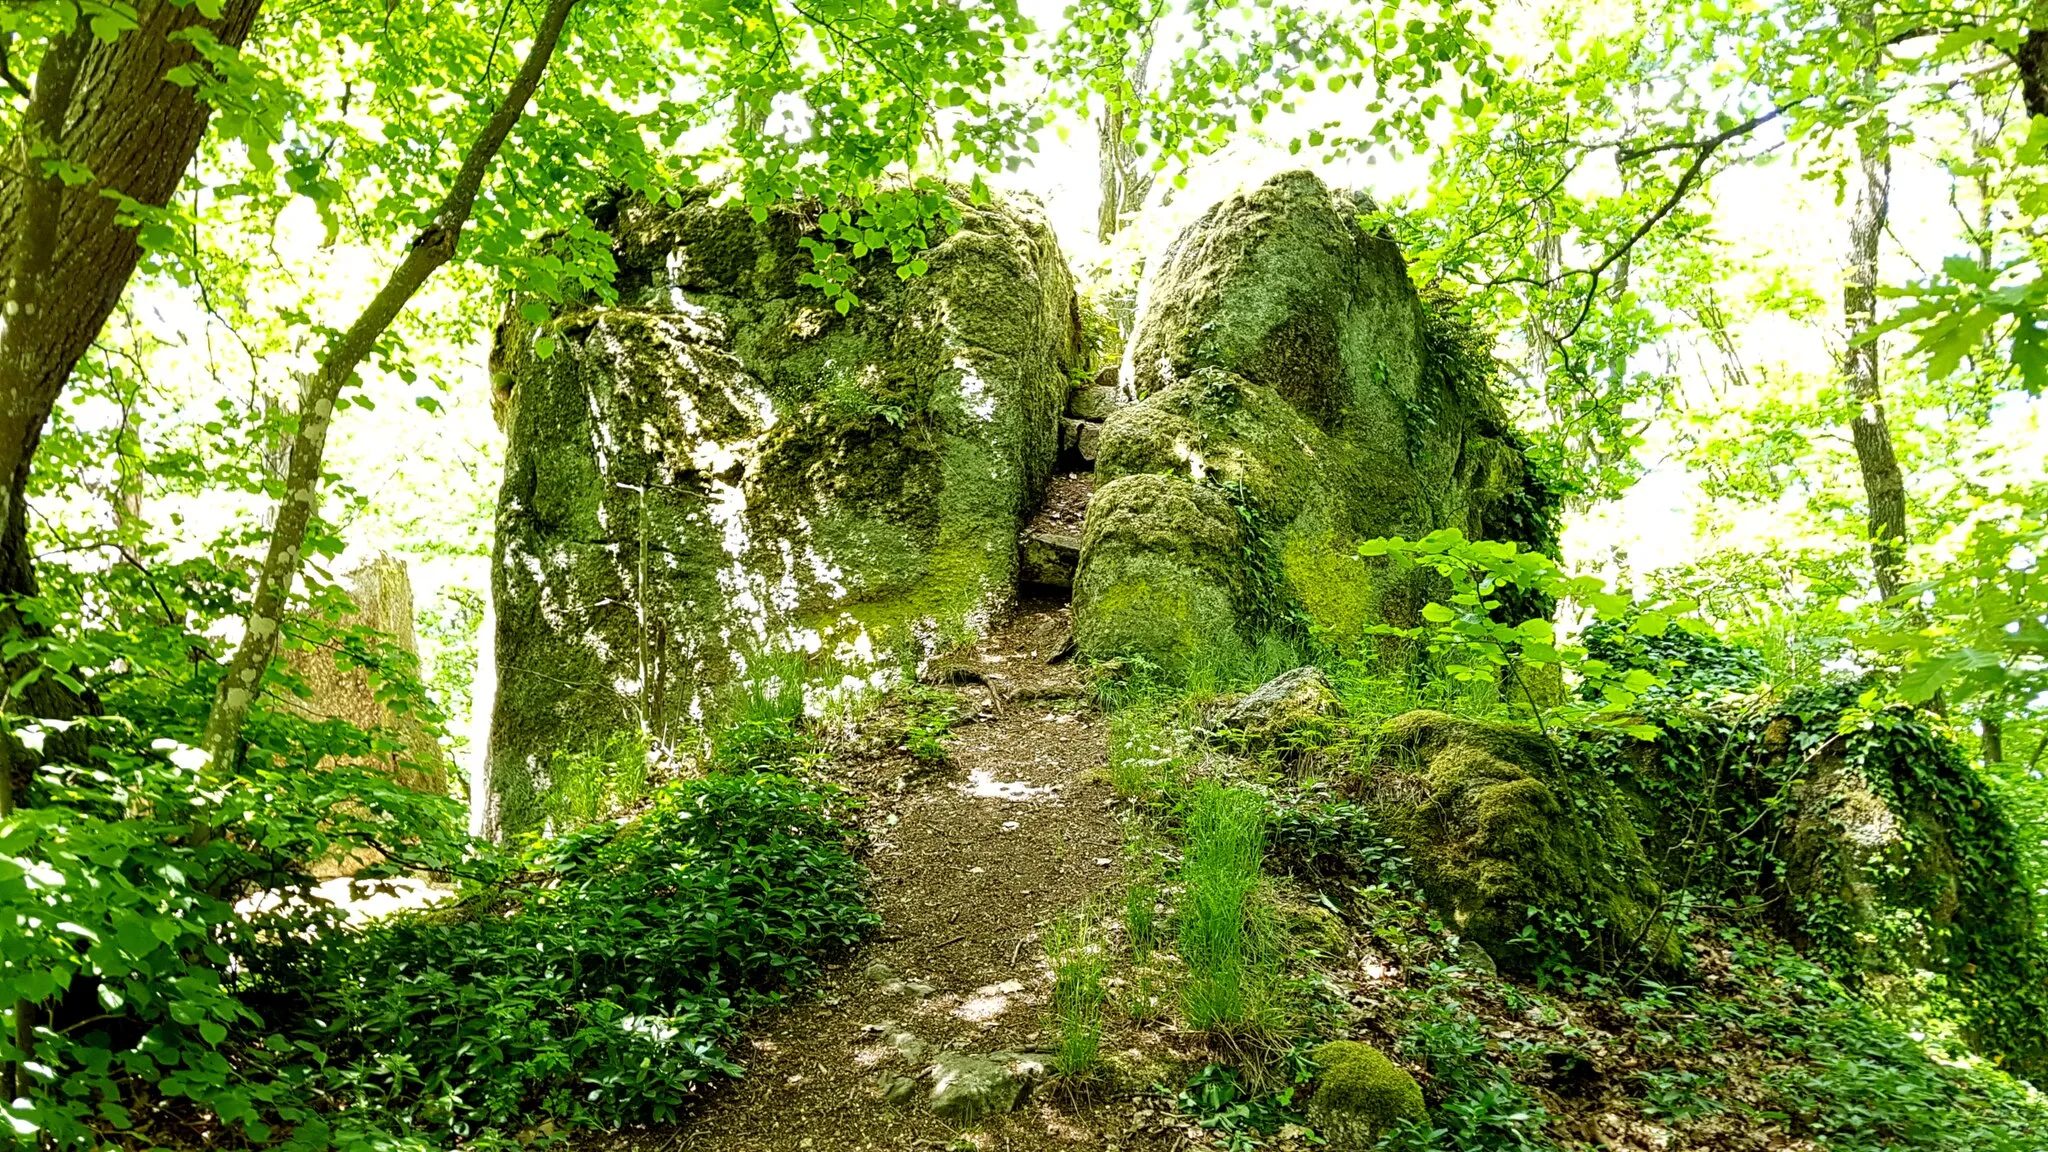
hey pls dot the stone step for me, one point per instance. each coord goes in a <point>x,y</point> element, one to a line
<point>1079,440</point>
<point>1048,558</point>
<point>1050,545</point>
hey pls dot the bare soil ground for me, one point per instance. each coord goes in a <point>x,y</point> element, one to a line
<point>970,860</point>
<point>1066,504</point>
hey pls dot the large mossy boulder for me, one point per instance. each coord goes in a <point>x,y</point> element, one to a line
<point>1293,395</point>
<point>1524,855</point>
<point>1865,836</point>
<point>718,463</point>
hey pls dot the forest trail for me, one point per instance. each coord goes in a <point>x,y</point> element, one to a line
<point>970,861</point>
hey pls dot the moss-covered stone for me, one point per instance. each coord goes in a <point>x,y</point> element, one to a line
<point>1294,709</point>
<point>1498,827</point>
<point>1161,564</point>
<point>1360,1095</point>
<point>717,463</point>
<point>1282,351</point>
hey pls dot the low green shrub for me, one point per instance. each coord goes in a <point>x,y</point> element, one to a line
<point>928,717</point>
<point>762,717</point>
<point>588,980</point>
<point>596,784</point>
<point>1222,1100</point>
<point>1143,753</point>
<point>597,982</point>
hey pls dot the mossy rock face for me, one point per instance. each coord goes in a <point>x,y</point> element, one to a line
<point>1282,353</point>
<point>1360,1095</point>
<point>1874,846</point>
<point>1161,564</point>
<point>718,462</point>
<point>1497,827</point>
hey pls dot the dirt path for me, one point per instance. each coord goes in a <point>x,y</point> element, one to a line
<point>969,863</point>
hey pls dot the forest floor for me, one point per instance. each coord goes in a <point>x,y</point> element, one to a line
<point>973,854</point>
<point>970,860</point>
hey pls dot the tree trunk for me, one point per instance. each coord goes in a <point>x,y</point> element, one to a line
<point>431,249</point>
<point>1123,182</point>
<point>107,109</point>
<point>1884,485</point>
<point>2032,61</point>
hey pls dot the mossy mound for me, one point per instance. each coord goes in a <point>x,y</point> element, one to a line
<point>1873,846</point>
<point>1162,568</point>
<point>718,463</point>
<point>1529,859</point>
<point>1360,1095</point>
<point>1283,357</point>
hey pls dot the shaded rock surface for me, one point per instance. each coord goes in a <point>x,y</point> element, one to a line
<point>381,590</point>
<point>1294,705</point>
<point>718,464</point>
<point>1282,356</point>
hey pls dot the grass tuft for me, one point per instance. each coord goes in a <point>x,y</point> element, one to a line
<point>1225,940</point>
<point>1079,957</point>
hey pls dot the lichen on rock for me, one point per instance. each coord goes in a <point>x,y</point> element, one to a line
<point>1282,351</point>
<point>717,463</point>
<point>1360,1095</point>
<point>1292,710</point>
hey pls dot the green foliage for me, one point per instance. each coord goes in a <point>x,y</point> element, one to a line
<point>119,885</point>
<point>1476,1102</point>
<point>597,982</point>
<point>1469,640</point>
<point>1688,663</point>
<point>1144,754</point>
<point>1984,640</point>
<point>1079,956</point>
<point>1720,797</point>
<point>1225,939</point>
<point>928,716</point>
<point>1222,1101</point>
<point>592,785</point>
<point>763,717</point>
<point>1331,840</point>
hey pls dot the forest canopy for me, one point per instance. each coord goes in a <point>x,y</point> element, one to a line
<point>1748,303</point>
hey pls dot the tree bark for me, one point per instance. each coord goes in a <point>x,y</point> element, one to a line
<point>107,110</point>
<point>1884,485</point>
<point>2032,60</point>
<point>322,388</point>
<point>1122,181</point>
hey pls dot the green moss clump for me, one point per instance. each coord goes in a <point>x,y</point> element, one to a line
<point>1361,1095</point>
<point>1501,829</point>
<point>1160,574</point>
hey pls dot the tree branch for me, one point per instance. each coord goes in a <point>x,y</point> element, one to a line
<point>432,248</point>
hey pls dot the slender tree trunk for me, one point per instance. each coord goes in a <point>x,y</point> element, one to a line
<point>323,387</point>
<point>1992,729</point>
<point>1884,485</point>
<point>1123,181</point>
<point>106,109</point>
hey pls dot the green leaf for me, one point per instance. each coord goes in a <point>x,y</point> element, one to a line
<point>1438,614</point>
